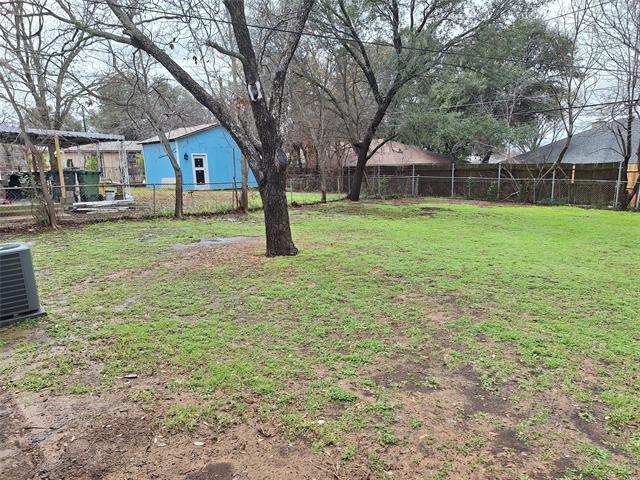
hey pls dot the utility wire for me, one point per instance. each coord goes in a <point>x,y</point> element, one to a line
<point>179,15</point>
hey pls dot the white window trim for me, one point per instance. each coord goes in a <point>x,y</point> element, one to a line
<point>205,163</point>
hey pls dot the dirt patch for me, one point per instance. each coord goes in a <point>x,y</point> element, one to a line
<point>110,437</point>
<point>410,376</point>
<point>508,440</point>
<point>478,398</point>
<point>19,455</point>
<point>216,242</point>
<point>592,429</point>
<point>431,211</point>
<point>214,471</point>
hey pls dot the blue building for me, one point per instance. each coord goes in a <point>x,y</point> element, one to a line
<point>209,158</point>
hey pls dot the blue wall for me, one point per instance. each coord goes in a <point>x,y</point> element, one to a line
<point>223,160</point>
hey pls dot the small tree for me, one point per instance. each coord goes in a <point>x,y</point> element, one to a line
<point>149,102</point>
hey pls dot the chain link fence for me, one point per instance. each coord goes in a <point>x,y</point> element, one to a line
<point>548,191</point>
<point>23,206</point>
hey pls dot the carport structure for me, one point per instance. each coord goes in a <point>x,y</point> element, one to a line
<point>59,139</point>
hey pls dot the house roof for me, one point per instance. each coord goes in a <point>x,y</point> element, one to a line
<point>106,147</point>
<point>396,154</point>
<point>596,145</point>
<point>181,132</point>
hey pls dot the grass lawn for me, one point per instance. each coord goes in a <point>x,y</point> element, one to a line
<point>409,340</point>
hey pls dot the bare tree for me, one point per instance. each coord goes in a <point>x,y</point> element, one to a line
<point>36,61</point>
<point>390,44</point>
<point>143,97</point>
<point>574,83</point>
<point>264,60</point>
<point>39,57</point>
<point>618,36</point>
<point>41,191</point>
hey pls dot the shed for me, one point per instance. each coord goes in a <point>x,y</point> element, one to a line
<point>209,158</point>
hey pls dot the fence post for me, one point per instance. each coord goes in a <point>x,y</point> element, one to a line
<point>637,194</point>
<point>453,176</point>
<point>617,197</point>
<point>348,180</point>
<point>499,175</point>
<point>534,190</point>
<point>154,199</point>
<point>413,180</point>
<point>291,189</point>
<point>553,184</point>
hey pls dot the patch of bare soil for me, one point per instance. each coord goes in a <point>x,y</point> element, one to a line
<point>239,253</point>
<point>109,437</point>
<point>19,456</point>
<point>450,423</point>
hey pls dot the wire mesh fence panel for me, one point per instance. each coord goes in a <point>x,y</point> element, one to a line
<point>563,191</point>
<point>25,205</point>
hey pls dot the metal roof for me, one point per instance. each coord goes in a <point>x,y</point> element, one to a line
<point>129,146</point>
<point>596,145</point>
<point>396,154</point>
<point>181,132</point>
<point>43,136</point>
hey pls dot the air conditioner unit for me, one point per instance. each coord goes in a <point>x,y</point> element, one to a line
<point>18,292</point>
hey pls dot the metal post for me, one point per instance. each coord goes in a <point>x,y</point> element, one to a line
<point>453,176</point>
<point>63,190</point>
<point>348,180</point>
<point>154,199</point>
<point>379,191</point>
<point>615,203</point>
<point>553,184</point>
<point>499,176</point>
<point>291,189</point>
<point>413,180</point>
<point>638,194</point>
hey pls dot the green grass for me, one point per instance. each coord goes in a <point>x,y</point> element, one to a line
<point>538,302</point>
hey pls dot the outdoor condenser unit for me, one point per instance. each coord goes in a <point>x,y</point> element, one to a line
<point>18,292</point>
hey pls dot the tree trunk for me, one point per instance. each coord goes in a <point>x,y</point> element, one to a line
<point>356,183</point>
<point>178,210</point>
<point>47,199</point>
<point>49,206</point>
<point>276,215</point>
<point>322,166</point>
<point>244,197</point>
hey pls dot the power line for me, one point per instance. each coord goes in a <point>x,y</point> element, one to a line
<point>522,113</point>
<point>179,15</point>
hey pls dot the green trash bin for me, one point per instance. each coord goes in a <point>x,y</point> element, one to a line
<point>89,189</point>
